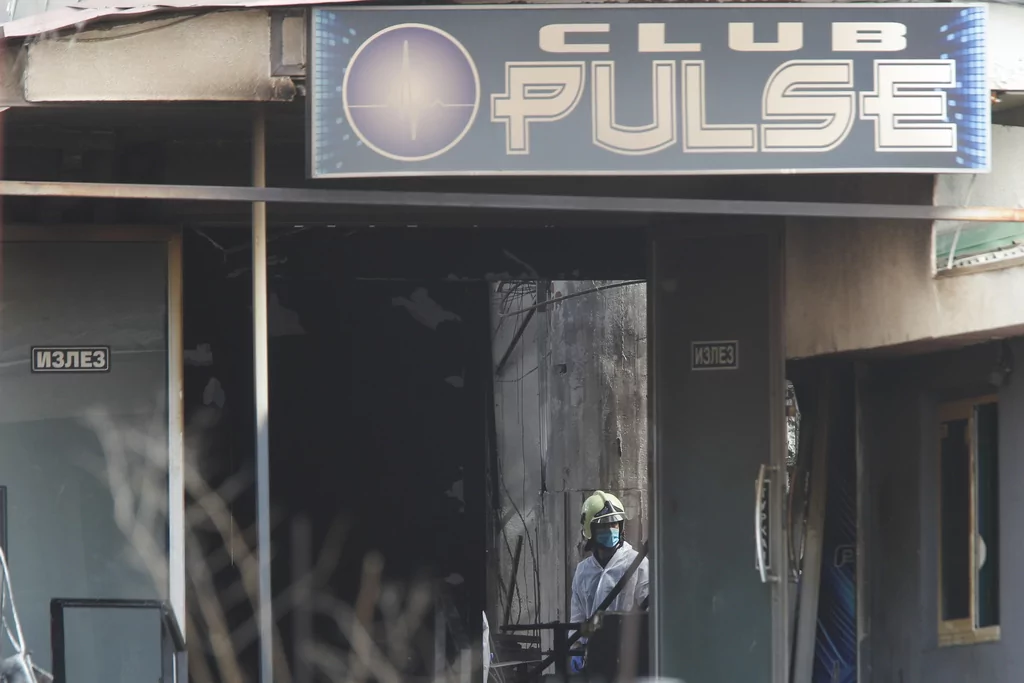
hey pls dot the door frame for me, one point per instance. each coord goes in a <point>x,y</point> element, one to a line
<point>171,237</point>
<point>775,451</point>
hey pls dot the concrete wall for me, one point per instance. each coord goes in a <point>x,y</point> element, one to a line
<point>858,284</point>
<point>517,415</point>
<point>900,446</point>
<point>595,404</point>
<point>1006,51</point>
<point>571,412</point>
<point>1003,187</point>
<point>217,57</point>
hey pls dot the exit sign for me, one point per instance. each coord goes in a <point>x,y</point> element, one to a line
<point>71,359</point>
<point>716,355</point>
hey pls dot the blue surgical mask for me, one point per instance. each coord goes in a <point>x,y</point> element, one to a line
<point>609,538</point>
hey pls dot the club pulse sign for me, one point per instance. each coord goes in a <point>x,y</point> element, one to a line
<point>649,89</point>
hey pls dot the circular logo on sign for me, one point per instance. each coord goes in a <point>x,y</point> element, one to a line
<point>411,92</point>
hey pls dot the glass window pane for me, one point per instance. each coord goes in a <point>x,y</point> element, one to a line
<point>64,539</point>
<point>988,514</point>
<point>956,516</point>
<point>975,239</point>
<point>132,650</point>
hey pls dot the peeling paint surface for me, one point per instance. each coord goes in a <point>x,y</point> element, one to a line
<point>456,491</point>
<point>213,393</point>
<point>424,309</point>
<point>201,356</point>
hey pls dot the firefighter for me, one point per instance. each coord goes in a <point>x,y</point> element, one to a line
<point>610,556</point>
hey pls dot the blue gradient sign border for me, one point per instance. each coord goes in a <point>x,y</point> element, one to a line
<point>710,89</point>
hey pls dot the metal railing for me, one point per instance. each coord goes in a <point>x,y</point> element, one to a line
<point>173,658</point>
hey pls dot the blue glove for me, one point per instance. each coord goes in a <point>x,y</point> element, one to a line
<point>576,664</point>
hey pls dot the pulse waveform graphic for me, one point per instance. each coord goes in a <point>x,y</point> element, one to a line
<point>411,95</point>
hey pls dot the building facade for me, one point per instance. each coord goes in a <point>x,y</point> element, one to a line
<point>208,316</point>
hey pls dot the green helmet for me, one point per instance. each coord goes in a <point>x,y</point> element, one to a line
<point>603,508</point>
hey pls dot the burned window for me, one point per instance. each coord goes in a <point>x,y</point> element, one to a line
<point>968,522</point>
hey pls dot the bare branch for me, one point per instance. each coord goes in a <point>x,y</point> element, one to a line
<point>222,564</point>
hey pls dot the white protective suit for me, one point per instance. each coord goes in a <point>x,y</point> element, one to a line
<point>592,583</point>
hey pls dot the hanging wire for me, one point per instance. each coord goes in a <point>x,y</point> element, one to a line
<point>582,292</point>
<point>511,294</point>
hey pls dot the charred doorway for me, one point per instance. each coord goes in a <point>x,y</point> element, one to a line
<point>382,421</point>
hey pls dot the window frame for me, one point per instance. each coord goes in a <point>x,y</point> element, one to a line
<point>985,260</point>
<point>954,632</point>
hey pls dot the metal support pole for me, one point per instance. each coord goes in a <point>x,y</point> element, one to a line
<point>561,653</point>
<point>261,379</point>
<point>176,516</point>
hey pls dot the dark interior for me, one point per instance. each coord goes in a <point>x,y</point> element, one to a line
<point>379,420</point>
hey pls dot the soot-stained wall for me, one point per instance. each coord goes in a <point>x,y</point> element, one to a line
<point>899,433</point>
<point>378,417</point>
<point>380,396</point>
